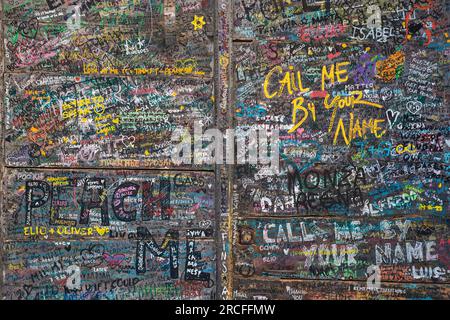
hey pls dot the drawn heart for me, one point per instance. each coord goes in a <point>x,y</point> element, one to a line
<point>114,260</point>
<point>27,288</point>
<point>392,117</point>
<point>101,231</point>
<point>414,106</point>
<point>29,29</point>
<point>286,251</point>
<point>128,142</point>
<point>204,224</point>
<point>68,247</point>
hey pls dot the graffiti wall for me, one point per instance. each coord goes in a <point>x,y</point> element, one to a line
<point>331,118</point>
<point>117,234</point>
<point>103,84</point>
<point>359,93</point>
<point>91,95</point>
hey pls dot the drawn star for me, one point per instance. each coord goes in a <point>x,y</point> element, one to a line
<point>198,22</point>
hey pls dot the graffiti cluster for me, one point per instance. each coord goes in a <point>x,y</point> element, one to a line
<point>353,94</point>
<point>84,121</point>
